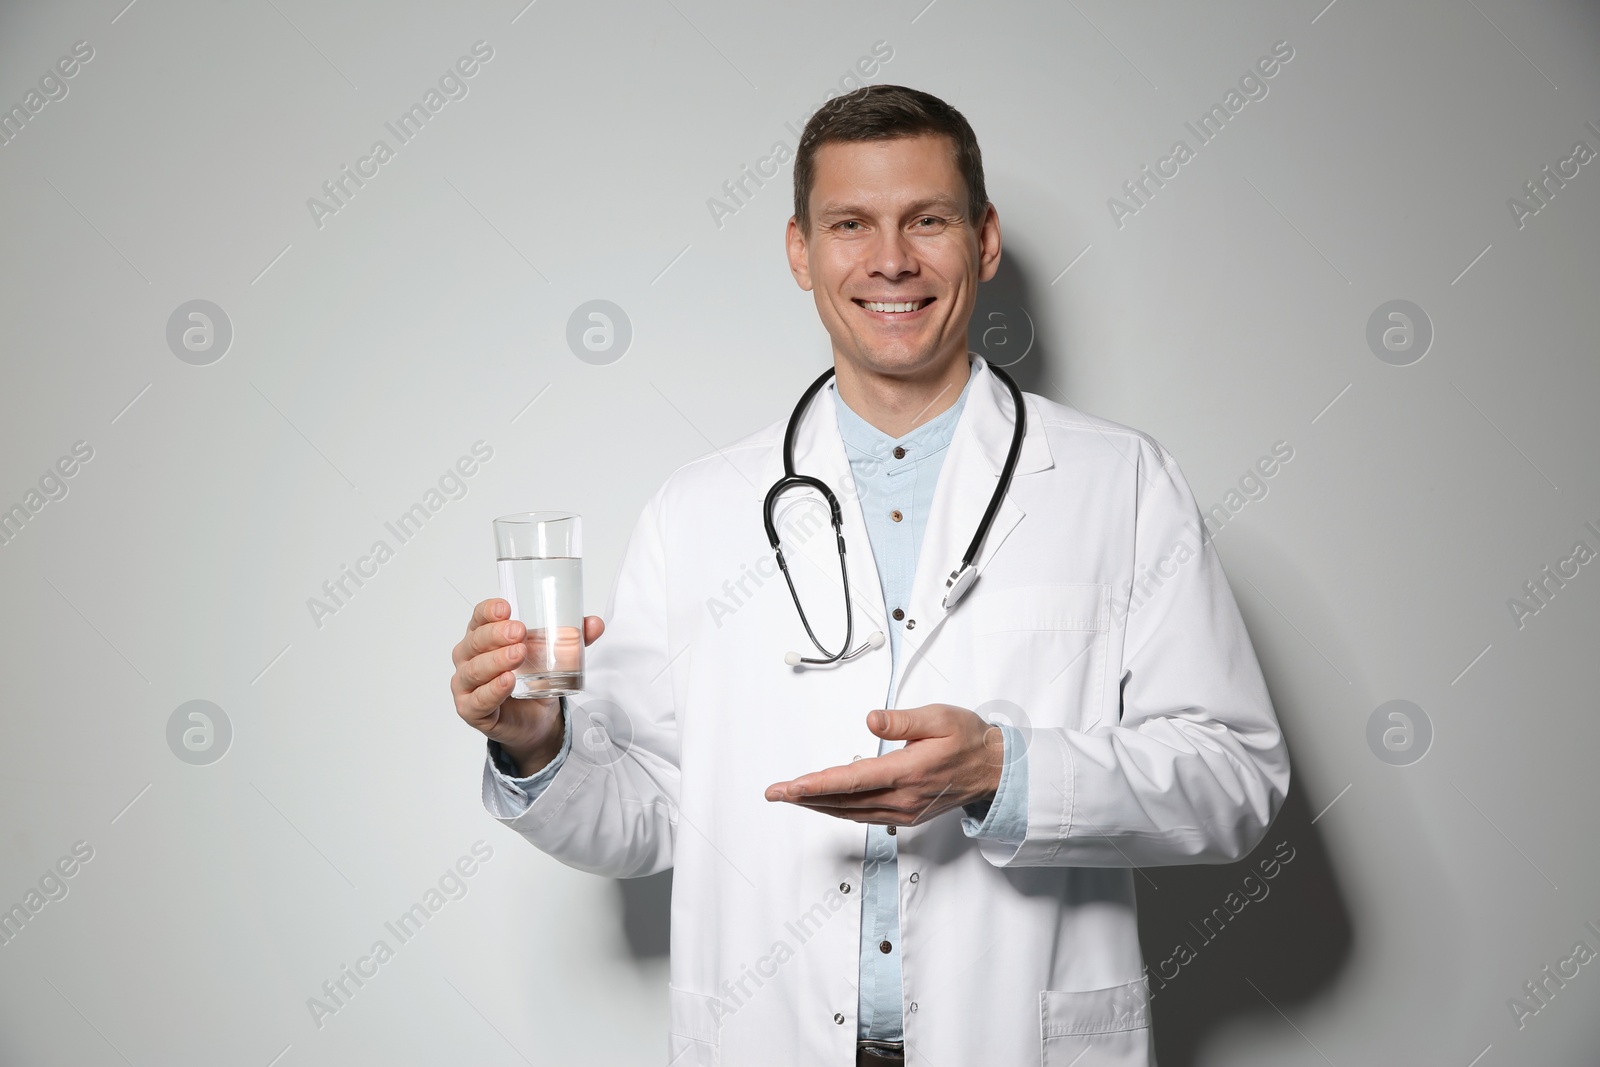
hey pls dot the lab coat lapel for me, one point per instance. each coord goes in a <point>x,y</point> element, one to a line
<point>967,480</point>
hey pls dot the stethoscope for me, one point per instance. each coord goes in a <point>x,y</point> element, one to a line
<point>955,586</point>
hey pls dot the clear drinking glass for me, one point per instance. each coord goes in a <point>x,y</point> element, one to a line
<point>540,558</point>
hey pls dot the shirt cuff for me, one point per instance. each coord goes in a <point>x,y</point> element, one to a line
<point>513,795</point>
<point>1005,817</point>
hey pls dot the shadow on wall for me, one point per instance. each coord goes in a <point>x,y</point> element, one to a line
<point>1004,329</point>
<point>1242,938</point>
<point>647,914</point>
<point>1216,953</point>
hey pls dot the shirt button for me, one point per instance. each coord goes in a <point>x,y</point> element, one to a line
<point>838,1018</point>
<point>913,876</point>
<point>891,831</point>
<point>885,947</point>
<point>899,453</point>
<point>899,614</point>
<point>844,887</point>
<point>896,516</point>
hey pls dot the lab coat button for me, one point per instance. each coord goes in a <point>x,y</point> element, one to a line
<point>913,876</point>
<point>844,887</point>
<point>911,624</point>
<point>838,1018</point>
<point>899,613</point>
<point>913,1005</point>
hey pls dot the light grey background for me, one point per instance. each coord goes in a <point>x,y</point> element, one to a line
<point>368,354</point>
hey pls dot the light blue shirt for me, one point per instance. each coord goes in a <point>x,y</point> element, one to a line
<point>887,486</point>
<point>903,487</point>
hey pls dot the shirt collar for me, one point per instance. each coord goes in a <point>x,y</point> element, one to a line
<point>863,438</point>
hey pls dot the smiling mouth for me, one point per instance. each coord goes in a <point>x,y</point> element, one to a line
<point>896,307</point>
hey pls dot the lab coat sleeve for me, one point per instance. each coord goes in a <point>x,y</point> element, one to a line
<point>611,807</point>
<point>1196,769</point>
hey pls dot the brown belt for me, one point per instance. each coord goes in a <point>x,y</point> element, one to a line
<point>870,1053</point>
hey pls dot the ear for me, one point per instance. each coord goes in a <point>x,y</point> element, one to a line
<point>989,244</point>
<point>799,255</point>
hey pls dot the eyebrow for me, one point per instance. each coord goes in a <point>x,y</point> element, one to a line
<point>836,208</point>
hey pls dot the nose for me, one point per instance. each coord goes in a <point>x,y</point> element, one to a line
<point>892,255</point>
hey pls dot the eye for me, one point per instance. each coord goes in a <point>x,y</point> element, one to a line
<point>849,222</point>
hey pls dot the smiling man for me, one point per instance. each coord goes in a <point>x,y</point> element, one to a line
<point>918,849</point>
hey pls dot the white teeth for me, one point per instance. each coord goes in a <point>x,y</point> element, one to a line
<point>911,305</point>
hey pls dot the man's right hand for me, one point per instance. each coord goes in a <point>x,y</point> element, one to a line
<point>530,731</point>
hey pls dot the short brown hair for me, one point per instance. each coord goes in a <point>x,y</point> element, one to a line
<point>879,113</point>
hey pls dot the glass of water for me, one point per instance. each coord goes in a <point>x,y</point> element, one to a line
<point>540,558</point>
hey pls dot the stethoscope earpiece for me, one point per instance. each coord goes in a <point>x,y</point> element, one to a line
<point>875,640</point>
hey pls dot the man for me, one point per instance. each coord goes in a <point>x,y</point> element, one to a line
<point>966,894</point>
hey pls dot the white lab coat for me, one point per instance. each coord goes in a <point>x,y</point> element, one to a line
<point>1152,740</point>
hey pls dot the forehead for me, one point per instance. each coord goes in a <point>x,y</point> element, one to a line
<point>886,172</point>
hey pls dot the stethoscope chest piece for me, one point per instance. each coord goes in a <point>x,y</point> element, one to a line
<point>956,586</point>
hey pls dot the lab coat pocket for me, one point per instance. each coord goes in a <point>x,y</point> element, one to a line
<point>1096,1027</point>
<point>1044,647</point>
<point>692,1029</point>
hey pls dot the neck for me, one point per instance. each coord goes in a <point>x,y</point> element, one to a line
<point>896,404</point>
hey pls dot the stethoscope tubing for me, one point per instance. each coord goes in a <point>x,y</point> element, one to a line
<point>791,480</point>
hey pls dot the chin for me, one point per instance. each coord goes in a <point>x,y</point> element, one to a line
<point>900,361</point>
